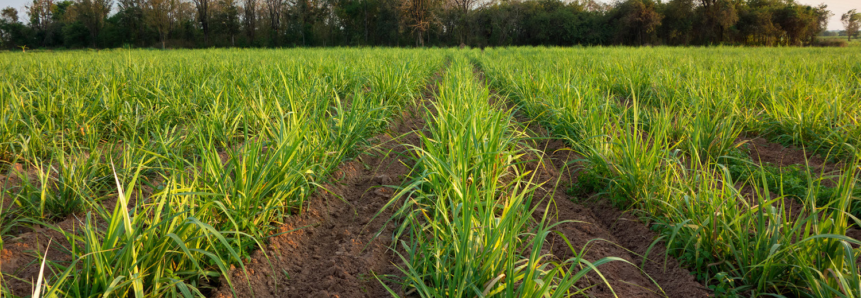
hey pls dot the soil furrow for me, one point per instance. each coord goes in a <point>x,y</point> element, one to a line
<point>601,230</point>
<point>604,231</point>
<point>332,249</point>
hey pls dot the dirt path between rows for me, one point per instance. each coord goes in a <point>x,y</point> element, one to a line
<point>761,150</point>
<point>603,231</point>
<point>599,228</point>
<point>331,249</point>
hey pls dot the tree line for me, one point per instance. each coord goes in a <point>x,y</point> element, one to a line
<point>286,23</point>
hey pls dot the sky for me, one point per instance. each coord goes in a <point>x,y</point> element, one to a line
<point>837,7</point>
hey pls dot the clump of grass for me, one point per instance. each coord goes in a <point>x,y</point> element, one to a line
<point>467,220</point>
<point>153,249</point>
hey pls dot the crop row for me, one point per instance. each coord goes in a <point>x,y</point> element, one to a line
<point>153,173</point>
<point>470,225</point>
<point>171,167</point>
<point>805,97</point>
<point>658,128</point>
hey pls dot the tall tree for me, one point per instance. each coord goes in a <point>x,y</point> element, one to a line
<point>250,18</point>
<point>8,25</point>
<point>203,9</point>
<point>418,15</point>
<point>227,19</point>
<point>41,14</point>
<point>159,15</point>
<point>9,15</point>
<point>275,8</point>
<point>852,22</point>
<point>310,19</point>
<point>131,18</point>
<point>678,22</point>
<point>462,9</point>
<point>822,14</point>
<point>642,19</point>
<point>718,16</point>
<point>92,14</point>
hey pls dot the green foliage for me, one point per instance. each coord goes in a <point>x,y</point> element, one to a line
<point>467,218</point>
<point>75,35</point>
<point>179,164</point>
<point>794,181</point>
<point>588,182</point>
<point>212,150</point>
<point>657,130</point>
<point>72,24</point>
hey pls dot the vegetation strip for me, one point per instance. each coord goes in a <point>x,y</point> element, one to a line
<point>244,172</point>
<point>466,222</point>
<point>223,153</point>
<point>601,229</point>
<point>740,244</point>
<point>278,23</point>
<point>333,248</point>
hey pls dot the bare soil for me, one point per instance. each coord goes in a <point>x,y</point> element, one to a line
<point>27,244</point>
<point>331,249</point>
<point>764,151</point>
<point>603,231</point>
<point>21,256</point>
<point>340,246</point>
<point>598,228</point>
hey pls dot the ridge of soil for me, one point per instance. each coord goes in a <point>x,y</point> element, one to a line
<point>762,151</point>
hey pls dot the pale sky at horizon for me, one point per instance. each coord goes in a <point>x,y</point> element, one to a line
<point>837,7</point>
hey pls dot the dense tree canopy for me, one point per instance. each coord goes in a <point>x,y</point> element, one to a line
<point>274,23</point>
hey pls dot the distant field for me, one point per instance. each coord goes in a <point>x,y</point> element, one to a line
<point>503,172</point>
<point>855,42</point>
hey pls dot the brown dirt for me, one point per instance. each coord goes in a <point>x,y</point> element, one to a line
<point>790,205</point>
<point>26,244</point>
<point>332,250</point>
<point>342,241</point>
<point>21,256</point>
<point>761,150</point>
<point>599,229</point>
<point>604,231</point>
